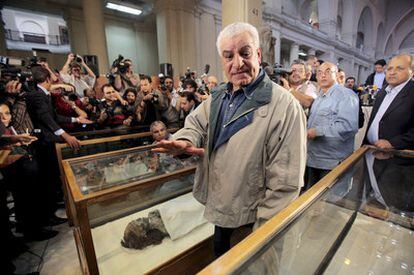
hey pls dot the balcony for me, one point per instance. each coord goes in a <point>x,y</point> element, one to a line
<point>27,41</point>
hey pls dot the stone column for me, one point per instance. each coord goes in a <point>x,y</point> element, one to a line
<point>95,32</point>
<point>327,12</point>
<point>276,34</point>
<point>176,34</point>
<point>208,51</point>
<point>249,11</point>
<point>294,52</point>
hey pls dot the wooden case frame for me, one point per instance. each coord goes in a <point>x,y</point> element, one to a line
<point>79,203</point>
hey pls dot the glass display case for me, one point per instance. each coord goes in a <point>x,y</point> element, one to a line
<point>131,210</point>
<point>85,135</point>
<point>100,145</point>
<point>359,219</point>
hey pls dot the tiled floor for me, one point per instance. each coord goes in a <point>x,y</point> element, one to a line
<point>59,255</point>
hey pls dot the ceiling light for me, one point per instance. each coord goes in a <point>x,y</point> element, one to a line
<point>123,8</point>
<point>302,54</point>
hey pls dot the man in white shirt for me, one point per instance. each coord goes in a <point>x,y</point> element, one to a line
<point>299,85</point>
<point>392,120</point>
<point>377,78</point>
<point>72,73</point>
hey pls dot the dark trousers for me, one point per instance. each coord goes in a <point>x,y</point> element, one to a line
<point>225,238</point>
<point>49,169</point>
<point>313,175</point>
<point>22,179</point>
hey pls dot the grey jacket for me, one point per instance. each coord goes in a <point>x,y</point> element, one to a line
<point>259,170</point>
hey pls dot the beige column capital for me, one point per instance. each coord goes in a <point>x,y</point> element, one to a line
<point>249,11</point>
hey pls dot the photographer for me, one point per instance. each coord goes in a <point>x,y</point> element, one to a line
<point>16,97</point>
<point>131,108</point>
<point>72,73</point>
<point>172,114</point>
<point>90,104</point>
<point>124,75</point>
<point>152,103</point>
<point>112,111</point>
<point>297,83</point>
<point>22,178</point>
<point>67,103</point>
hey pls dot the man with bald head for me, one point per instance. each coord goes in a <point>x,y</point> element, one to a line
<point>332,125</point>
<point>252,136</point>
<point>392,120</point>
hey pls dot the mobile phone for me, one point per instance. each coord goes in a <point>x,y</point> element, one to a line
<point>36,132</point>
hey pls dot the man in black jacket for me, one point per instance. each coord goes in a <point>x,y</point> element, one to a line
<point>45,118</point>
<point>377,78</point>
<point>392,120</point>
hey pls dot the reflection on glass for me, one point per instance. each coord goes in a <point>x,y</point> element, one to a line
<point>102,212</point>
<point>362,225</point>
<point>101,173</point>
<point>90,149</point>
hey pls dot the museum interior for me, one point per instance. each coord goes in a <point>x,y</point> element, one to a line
<point>207,136</point>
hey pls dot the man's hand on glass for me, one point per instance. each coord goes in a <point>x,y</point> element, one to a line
<point>178,147</point>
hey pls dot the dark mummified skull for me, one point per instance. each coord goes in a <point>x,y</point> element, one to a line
<point>143,232</point>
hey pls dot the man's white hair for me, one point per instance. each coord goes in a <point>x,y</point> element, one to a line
<point>235,29</point>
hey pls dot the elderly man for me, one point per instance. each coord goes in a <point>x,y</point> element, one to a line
<point>391,124</point>
<point>252,135</point>
<point>299,85</point>
<point>332,125</point>
<point>212,82</point>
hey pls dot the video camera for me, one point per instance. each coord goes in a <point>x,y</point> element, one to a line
<point>120,64</point>
<point>13,69</point>
<point>276,72</point>
<point>122,68</point>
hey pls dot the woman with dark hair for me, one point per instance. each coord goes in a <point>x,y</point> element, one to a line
<point>22,179</point>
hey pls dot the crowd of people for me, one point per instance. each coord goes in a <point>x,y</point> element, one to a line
<point>52,104</point>
<point>315,93</point>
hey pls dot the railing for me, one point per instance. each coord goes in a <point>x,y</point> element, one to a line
<point>51,39</point>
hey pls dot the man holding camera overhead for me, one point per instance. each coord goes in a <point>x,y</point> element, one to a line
<point>125,77</point>
<point>72,73</point>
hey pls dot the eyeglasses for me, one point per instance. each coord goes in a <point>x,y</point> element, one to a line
<point>328,71</point>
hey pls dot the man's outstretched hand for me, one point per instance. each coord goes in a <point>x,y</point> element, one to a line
<point>178,147</point>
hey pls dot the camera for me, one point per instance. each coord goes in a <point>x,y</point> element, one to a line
<point>73,97</point>
<point>278,72</point>
<point>12,69</point>
<point>78,58</point>
<point>36,133</point>
<point>120,64</point>
<point>154,99</point>
<point>93,101</point>
<point>163,87</point>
